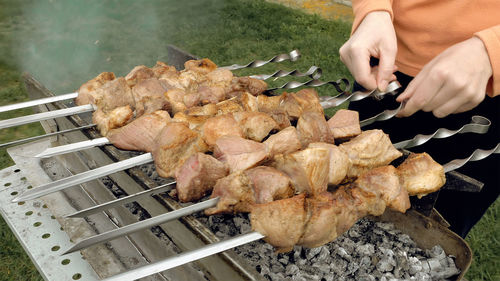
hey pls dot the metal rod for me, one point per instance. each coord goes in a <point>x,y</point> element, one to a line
<point>382,116</point>
<point>131,228</point>
<point>477,155</point>
<point>478,125</point>
<point>314,72</point>
<point>37,102</point>
<point>124,200</point>
<point>72,147</point>
<point>329,102</point>
<point>45,116</point>
<point>45,136</point>
<point>292,56</point>
<point>83,177</point>
<point>342,85</point>
<point>187,257</point>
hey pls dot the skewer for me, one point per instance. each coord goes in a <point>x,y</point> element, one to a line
<point>86,176</point>
<point>127,199</point>
<point>327,102</point>
<point>45,136</point>
<point>218,247</point>
<point>293,56</point>
<point>313,72</point>
<point>107,236</point>
<point>478,125</point>
<point>134,227</point>
<point>186,257</point>
<point>46,115</point>
<point>122,165</point>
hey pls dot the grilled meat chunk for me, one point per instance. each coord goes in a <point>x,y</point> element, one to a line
<point>148,96</point>
<point>370,149</point>
<point>295,104</point>
<point>241,85</point>
<point>174,145</point>
<point>218,126</point>
<point>339,162</point>
<point>321,221</point>
<point>213,89</point>
<point>195,121</point>
<point>421,175</point>
<point>87,90</point>
<point>344,124</point>
<point>175,98</point>
<point>248,102</point>
<point>282,222</point>
<point>268,103</point>
<point>141,133</point>
<point>283,142</point>
<point>312,127</point>
<point>203,66</point>
<point>308,169</point>
<point>239,191</point>
<point>163,70</point>
<point>138,74</point>
<point>255,125</point>
<point>116,118</point>
<point>228,106</point>
<point>113,94</point>
<point>197,176</point>
<point>239,153</point>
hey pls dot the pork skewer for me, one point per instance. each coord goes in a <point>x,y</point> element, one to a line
<point>293,56</point>
<point>84,177</point>
<point>226,244</point>
<point>415,182</point>
<point>326,102</point>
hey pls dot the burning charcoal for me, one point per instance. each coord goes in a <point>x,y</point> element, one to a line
<point>291,269</point>
<point>436,252</point>
<point>421,276</point>
<point>343,253</point>
<point>324,253</point>
<point>313,252</point>
<point>366,278</point>
<point>365,250</point>
<point>284,260</point>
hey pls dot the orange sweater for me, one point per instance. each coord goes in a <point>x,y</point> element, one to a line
<point>425,28</point>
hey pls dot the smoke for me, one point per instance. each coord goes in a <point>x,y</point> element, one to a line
<point>65,43</point>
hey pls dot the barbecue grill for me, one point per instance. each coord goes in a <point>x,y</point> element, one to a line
<point>45,232</point>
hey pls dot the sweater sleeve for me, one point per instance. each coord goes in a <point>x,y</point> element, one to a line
<point>362,7</point>
<point>491,40</point>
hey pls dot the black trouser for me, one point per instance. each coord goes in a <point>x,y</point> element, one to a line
<point>461,209</point>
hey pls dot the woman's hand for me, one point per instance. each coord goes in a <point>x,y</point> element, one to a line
<point>454,81</point>
<point>374,37</point>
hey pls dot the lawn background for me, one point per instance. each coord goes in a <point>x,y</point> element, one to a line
<point>65,43</point>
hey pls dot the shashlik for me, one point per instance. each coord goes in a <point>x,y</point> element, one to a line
<point>225,115</point>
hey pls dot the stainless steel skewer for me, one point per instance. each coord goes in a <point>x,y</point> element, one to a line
<point>293,56</point>
<point>101,238</point>
<point>46,115</point>
<point>329,102</point>
<point>131,228</point>
<point>83,177</point>
<point>218,247</point>
<point>45,136</point>
<point>121,201</point>
<point>478,125</point>
<point>313,72</point>
<point>187,257</point>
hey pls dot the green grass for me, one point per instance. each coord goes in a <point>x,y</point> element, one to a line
<point>65,43</point>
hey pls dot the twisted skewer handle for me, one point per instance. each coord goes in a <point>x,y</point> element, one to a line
<point>292,56</point>
<point>478,125</point>
<point>342,85</point>
<point>329,102</point>
<point>384,115</point>
<point>477,155</point>
<point>314,72</point>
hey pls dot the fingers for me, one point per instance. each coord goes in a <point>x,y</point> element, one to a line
<point>419,94</point>
<point>386,67</point>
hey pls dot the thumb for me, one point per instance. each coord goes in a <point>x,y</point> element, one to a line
<point>385,69</point>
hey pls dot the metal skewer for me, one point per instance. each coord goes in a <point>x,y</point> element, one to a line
<point>218,247</point>
<point>37,102</point>
<point>107,236</point>
<point>72,147</point>
<point>84,177</point>
<point>186,257</point>
<point>313,72</point>
<point>478,125</point>
<point>46,115</point>
<point>131,228</point>
<point>329,102</point>
<point>127,199</point>
<point>293,56</point>
<point>45,136</point>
